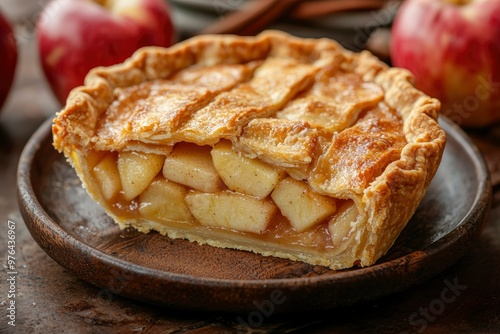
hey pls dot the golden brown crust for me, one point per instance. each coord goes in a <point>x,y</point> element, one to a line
<point>332,119</point>
<point>279,142</point>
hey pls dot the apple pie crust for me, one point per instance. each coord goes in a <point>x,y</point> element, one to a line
<point>287,147</point>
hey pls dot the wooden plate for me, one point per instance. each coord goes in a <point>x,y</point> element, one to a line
<point>78,235</point>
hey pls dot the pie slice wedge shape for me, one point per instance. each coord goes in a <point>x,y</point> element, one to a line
<point>282,146</point>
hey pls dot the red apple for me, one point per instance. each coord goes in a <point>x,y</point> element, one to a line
<point>8,58</point>
<point>453,49</point>
<point>75,36</point>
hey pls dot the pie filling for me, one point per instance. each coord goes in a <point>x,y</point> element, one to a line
<point>220,188</point>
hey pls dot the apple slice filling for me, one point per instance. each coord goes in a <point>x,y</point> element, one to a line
<point>218,187</point>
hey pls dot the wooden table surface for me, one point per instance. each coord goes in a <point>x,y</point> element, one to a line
<point>49,299</point>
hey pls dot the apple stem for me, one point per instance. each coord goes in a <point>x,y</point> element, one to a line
<point>459,2</point>
<point>101,2</point>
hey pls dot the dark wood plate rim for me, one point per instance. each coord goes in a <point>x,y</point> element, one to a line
<point>454,244</point>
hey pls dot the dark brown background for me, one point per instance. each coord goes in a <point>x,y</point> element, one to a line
<point>52,300</point>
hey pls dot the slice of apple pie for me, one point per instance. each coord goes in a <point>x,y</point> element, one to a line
<point>287,147</point>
